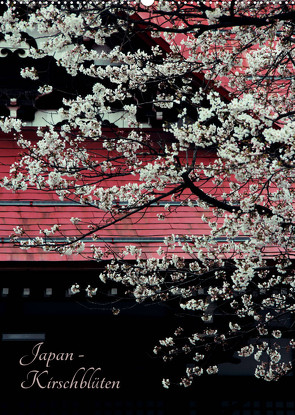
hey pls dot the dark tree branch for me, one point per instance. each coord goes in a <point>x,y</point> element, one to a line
<point>212,201</point>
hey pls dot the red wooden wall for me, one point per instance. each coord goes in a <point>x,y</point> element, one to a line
<point>34,210</point>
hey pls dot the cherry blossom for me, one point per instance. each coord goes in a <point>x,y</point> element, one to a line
<point>223,85</point>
